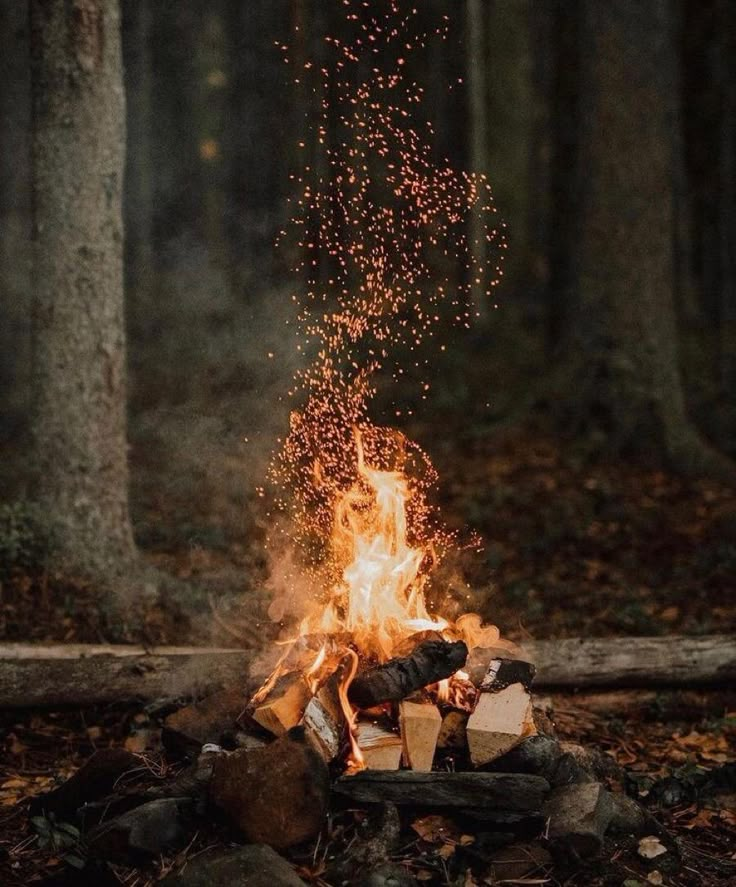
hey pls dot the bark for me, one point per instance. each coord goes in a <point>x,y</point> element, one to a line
<point>623,334</point>
<point>634,662</point>
<point>78,324</point>
<point>70,674</point>
<point>138,201</point>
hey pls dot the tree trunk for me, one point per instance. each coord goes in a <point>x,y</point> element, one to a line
<point>624,330</point>
<point>15,224</point>
<point>78,324</point>
<point>475,40</point>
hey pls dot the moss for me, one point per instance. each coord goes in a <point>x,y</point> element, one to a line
<point>26,538</point>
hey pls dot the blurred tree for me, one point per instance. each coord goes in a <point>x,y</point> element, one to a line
<point>14,216</point>
<point>477,68</point>
<point>79,338</point>
<point>622,333</point>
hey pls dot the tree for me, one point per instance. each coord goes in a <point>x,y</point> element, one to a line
<point>622,332</point>
<point>78,324</point>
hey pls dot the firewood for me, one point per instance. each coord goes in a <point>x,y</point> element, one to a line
<point>499,722</point>
<point>509,792</point>
<point>430,662</point>
<point>420,728</point>
<point>322,729</point>
<point>380,746</point>
<point>453,732</point>
<point>284,705</point>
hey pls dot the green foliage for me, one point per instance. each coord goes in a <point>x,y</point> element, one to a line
<point>26,539</point>
<point>59,837</point>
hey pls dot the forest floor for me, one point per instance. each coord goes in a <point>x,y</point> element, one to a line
<point>573,546</point>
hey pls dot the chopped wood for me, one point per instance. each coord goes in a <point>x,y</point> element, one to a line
<point>322,729</point>
<point>420,727</point>
<point>499,722</point>
<point>430,662</point>
<point>284,706</point>
<point>57,675</point>
<point>509,792</point>
<point>453,732</point>
<point>381,747</point>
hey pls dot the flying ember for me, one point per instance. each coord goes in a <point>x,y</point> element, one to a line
<point>380,229</point>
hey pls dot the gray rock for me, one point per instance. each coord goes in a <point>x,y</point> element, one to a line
<point>387,876</point>
<point>254,865</point>
<point>579,816</point>
<point>145,831</point>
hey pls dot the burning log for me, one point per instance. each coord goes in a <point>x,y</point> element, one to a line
<point>284,705</point>
<point>430,662</point>
<point>509,792</point>
<point>420,729</point>
<point>322,729</point>
<point>380,746</point>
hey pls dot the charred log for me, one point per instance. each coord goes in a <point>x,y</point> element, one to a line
<point>430,662</point>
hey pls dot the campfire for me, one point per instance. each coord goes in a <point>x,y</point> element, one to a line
<point>377,681</point>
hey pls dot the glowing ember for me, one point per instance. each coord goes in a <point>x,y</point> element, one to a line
<point>381,231</point>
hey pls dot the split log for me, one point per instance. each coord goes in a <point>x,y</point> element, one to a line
<point>420,729</point>
<point>499,722</point>
<point>509,792</point>
<point>284,705</point>
<point>430,662</point>
<point>380,746</point>
<point>86,674</point>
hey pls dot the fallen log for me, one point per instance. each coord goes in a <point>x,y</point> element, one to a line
<point>430,662</point>
<point>510,792</point>
<point>673,661</point>
<point>57,675</point>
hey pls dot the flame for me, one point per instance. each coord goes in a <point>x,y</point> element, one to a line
<point>380,598</point>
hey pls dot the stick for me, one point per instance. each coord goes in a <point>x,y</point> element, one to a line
<point>510,792</point>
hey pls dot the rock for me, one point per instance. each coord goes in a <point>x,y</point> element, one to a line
<point>187,730</point>
<point>146,831</point>
<point>387,875</point>
<point>520,861</point>
<point>277,795</point>
<point>538,754</point>
<point>254,865</point>
<point>629,817</point>
<point>378,838</point>
<point>579,816</point>
<point>94,779</point>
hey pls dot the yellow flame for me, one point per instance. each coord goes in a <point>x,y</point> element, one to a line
<point>381,597</point>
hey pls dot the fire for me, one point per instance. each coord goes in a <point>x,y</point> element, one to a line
<point>375,230</point>
<point>380,599</point>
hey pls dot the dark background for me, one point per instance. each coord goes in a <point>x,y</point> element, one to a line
<point>589,527</point>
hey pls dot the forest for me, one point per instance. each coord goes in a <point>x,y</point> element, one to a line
<point>449,285</point>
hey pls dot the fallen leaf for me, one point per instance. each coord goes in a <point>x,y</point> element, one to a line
<point>651,847</point>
